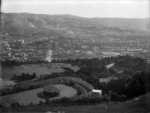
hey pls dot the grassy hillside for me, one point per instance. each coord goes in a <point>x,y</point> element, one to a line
<point>141,105</point>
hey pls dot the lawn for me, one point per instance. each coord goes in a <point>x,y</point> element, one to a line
<point>65,91</point>
<point>23,98</point>
<point>30,97</point>
<point>39,69</point>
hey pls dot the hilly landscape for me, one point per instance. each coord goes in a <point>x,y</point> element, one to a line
<point>74,26</point>
<point>90,65</point>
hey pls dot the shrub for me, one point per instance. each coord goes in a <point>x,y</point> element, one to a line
<point>115,97</point>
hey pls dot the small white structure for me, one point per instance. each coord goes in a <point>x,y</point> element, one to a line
<point>96,93</point>
<point>110,65</point>
<point>106,80</point>
<point>110,54</point>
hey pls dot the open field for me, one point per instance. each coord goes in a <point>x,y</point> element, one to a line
<point>133,106</point>
<point>23,98</point>
<point>30,97</point>
<point>39,69</point>
<point>65,91</point>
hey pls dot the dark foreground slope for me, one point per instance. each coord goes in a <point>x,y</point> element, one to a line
<point>137,105</point>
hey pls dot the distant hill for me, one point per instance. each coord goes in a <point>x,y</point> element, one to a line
<point>73,26</point>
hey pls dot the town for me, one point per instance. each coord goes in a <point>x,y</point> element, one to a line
<point>60,48</point>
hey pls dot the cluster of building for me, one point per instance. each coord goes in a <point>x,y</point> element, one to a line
<point>60,48</point>
<point>20,51</point>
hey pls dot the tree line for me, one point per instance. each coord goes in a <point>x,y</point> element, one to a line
<point>23,77</point>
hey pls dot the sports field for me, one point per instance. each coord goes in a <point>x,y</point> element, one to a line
<point>39,69</point>
<point>30,97</point>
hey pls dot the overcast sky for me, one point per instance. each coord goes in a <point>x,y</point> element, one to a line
<point>83,8</point>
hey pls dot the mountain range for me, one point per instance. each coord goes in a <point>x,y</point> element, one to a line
<point>73,26</point>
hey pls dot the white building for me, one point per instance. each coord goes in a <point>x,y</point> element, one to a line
<point>110,54</point>
<point>110,65</point>
<point>96,93</point>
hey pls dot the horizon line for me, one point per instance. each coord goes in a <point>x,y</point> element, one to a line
<point>75,15</point>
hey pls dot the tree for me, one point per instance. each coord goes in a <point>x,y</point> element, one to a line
<point>34,75</point>
<point>133,88</point>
